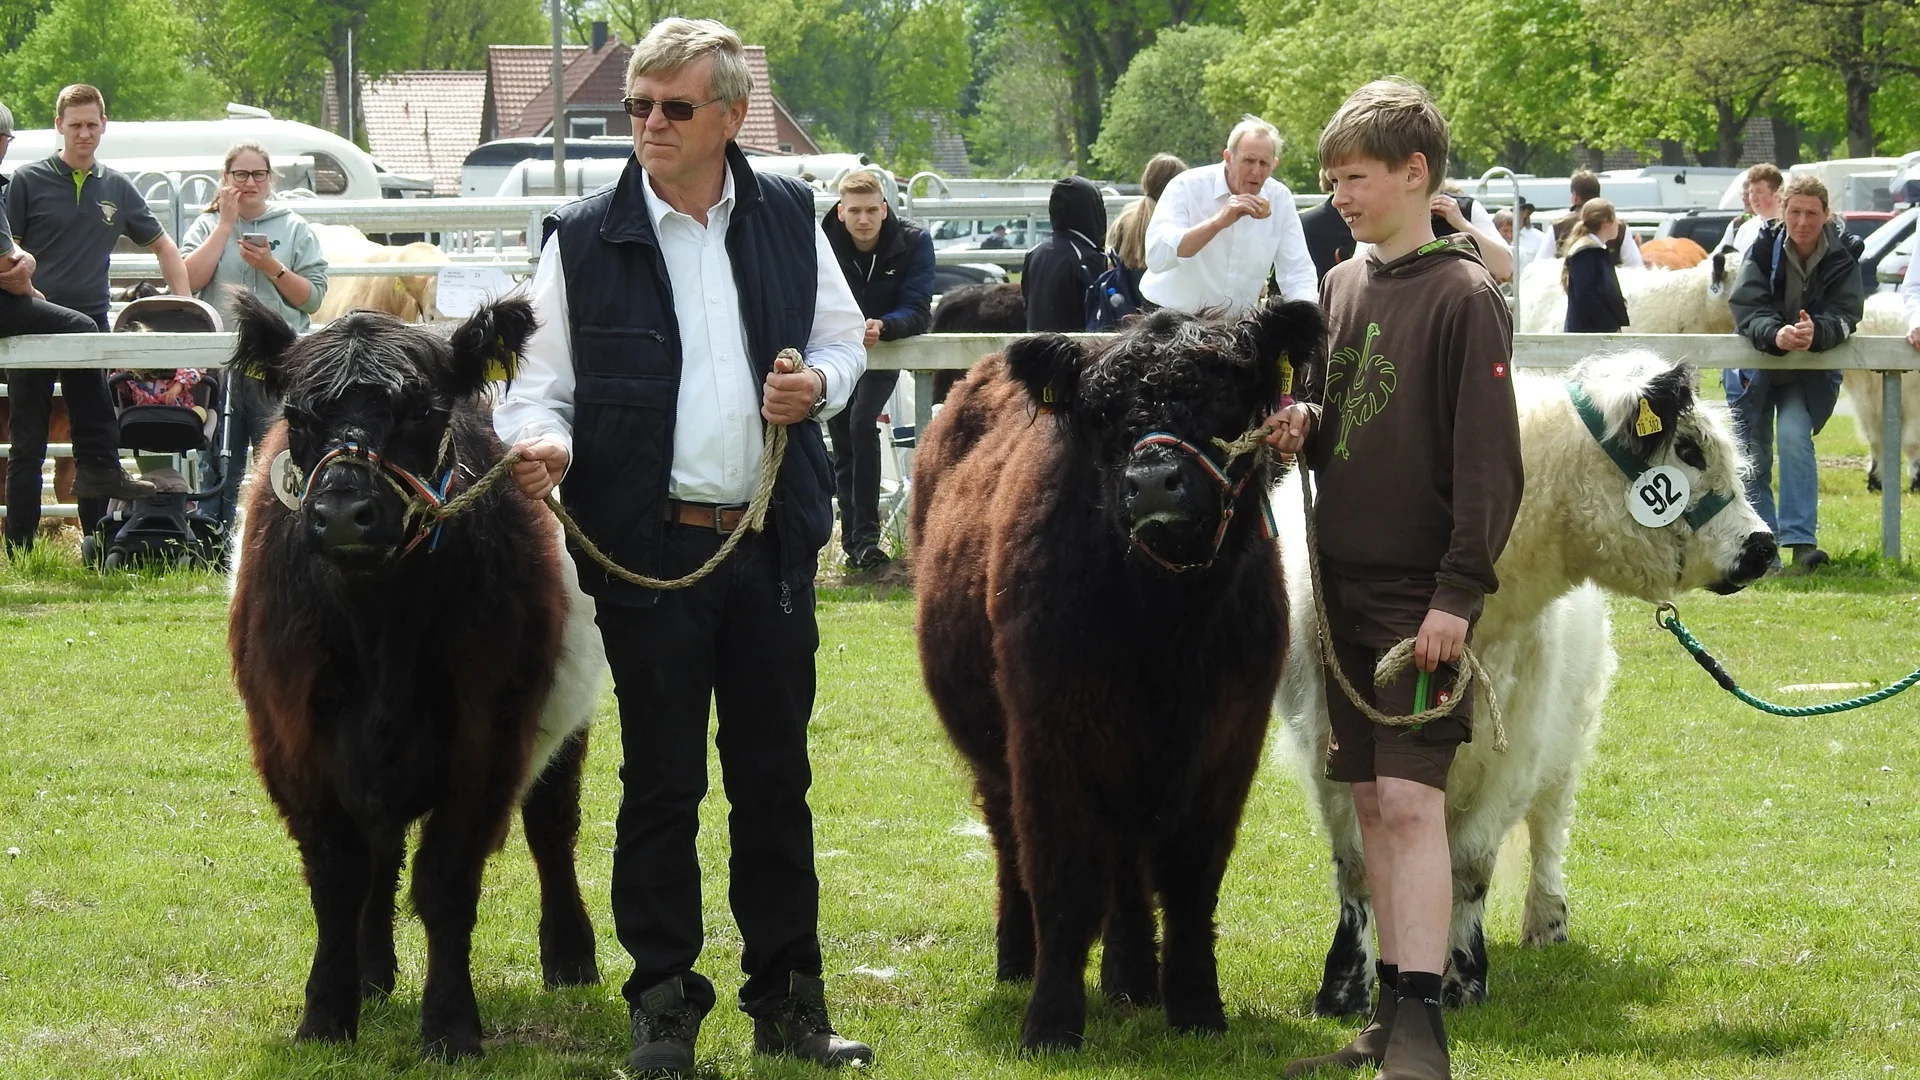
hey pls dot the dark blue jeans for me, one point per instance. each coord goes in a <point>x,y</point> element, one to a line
<point>96,433</point>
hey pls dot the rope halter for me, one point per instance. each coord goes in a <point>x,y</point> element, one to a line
<point>1229,488</point>
<point>423,500</point>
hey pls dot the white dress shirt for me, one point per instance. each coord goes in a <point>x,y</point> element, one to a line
<point>1910,296</point>
<point>717,430</point>
<point>1229,272</point>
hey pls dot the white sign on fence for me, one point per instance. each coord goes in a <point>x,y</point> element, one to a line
<point>466,289</point>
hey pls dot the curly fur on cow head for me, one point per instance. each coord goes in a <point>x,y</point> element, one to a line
<point>1728,551</point>
<point>1199,379</point>
<point>390,388</point>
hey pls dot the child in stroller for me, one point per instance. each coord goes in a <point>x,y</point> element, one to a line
<point>172,412</point>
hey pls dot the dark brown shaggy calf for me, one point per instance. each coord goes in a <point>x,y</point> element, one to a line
<point>1101,627</point>
<point>393,673</point>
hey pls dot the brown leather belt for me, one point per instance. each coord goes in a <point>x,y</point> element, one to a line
<point>721,519</point>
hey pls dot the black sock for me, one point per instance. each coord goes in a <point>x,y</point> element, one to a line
<point>1389,978</point>
<point>1424,985</point>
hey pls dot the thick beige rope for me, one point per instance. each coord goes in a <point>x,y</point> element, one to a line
<point>772,452</point>
<point>1398,658</point>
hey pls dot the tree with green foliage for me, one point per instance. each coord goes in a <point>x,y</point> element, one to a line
<point>271,43</point>
<point>1023,123</point>
<point>1866,45</point>
<point>133,50</point>
<point>1097,40</point>
<point>1159,105</point>
<point>458,32</point>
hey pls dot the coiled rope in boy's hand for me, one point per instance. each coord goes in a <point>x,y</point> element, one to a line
<point>1397,659</point>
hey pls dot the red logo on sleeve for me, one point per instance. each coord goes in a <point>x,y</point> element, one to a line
<point>1499,369</point>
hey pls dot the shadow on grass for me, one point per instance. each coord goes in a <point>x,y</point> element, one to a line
<point>1849,572</point>
<point>52,573</point>
<point>1570,1000</point>
<point>1256,1043</point>
<point>528,1031</point>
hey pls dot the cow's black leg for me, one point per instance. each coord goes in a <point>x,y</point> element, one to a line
<point>1188,868</point>
<point>446,891</point>
<point>1346,982</point>
<point>386,851</point>
<point>1013,930</point>
<point>1068,870</point>
<point>1466,977</point>
<point>1130,963</point>
<point>551,816</point>
<point>336,860</point>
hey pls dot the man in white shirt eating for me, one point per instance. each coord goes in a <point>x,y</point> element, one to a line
<point>1219,229</point>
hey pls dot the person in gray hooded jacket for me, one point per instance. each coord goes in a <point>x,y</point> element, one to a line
<point>285,270</point>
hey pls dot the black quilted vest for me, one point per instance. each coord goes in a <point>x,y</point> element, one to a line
<point>626,362</point>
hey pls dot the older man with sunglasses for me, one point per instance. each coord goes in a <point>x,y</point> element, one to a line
<point>663,302</point>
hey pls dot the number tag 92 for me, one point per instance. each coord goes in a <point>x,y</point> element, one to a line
<point>1659,496</point>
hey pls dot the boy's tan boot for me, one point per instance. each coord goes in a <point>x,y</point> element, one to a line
<point>1369,1047</point>
<point>1417,1048</point>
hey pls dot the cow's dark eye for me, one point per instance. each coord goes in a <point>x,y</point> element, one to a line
<point>1688,451</point>
<point>423,412</point>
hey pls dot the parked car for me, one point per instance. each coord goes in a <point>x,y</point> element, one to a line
<point>1887,250</point>
<point>951,276</point>
<point>1703,227</point>
<point>970,234</point>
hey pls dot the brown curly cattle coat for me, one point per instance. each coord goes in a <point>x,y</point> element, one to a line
<point>1112,709</point>
<point>384,686</point>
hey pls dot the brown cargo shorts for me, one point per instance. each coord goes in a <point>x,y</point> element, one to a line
<point>1360,750</point>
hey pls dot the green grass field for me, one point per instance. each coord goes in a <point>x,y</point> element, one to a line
<point>1743,887</point>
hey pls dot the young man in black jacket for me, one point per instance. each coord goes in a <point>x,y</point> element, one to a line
<point>889,265</point>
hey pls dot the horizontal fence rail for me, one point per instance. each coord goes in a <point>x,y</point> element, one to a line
<point>929,353</point>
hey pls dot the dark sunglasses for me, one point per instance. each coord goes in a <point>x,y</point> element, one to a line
<point>677,111</point>
<point>258,176</point>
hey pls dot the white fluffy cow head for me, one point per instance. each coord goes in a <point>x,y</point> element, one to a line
<point>1656,441</point>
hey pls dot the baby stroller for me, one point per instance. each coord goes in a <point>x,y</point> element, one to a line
<point>175,526</point>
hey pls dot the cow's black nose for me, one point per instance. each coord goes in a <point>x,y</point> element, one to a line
<point>1154,488</point>
<point>1756,558</point>
<point>341,518</point>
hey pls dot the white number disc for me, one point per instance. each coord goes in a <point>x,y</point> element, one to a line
<point>286,479</point>
<point>1659,496</point>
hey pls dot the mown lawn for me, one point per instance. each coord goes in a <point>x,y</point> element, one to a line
<point>1744,887</point>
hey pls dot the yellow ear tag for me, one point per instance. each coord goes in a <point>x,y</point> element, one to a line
<point>1646,423</point>
<point>1286,375</point>
<point>502,365</point>
<point>1046,400</point>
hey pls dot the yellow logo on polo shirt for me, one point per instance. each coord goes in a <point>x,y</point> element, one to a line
<point>107,210</point>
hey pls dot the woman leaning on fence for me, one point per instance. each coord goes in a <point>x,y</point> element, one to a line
<point>243,242</point>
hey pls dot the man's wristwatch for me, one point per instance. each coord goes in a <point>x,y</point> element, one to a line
<point>819,403</point>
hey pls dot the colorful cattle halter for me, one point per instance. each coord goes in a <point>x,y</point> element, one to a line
<point>1230,489</point>
<point>423,500</point>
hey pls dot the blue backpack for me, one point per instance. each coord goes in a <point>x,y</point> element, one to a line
<point>1112,296</point>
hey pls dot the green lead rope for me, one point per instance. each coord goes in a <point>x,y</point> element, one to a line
<point>1667,617</point>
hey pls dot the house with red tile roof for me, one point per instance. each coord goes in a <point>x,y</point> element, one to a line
<point>418,123</point>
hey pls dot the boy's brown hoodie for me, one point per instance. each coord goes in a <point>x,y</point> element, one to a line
<point>1416,452</point>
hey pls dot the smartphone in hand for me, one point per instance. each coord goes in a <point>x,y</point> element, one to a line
<point>257,239</point>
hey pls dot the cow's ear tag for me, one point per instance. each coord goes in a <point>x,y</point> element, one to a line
<point>1646,423</point>
<point>502,363</point>
<point>1046,400</point>
<point>1286,375</point>
<point>289,484</point>
<point>1659,496</point>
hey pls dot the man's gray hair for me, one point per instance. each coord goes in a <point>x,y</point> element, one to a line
<point>6,121</point>
<point>1252,125</point>
<point>674,43</point>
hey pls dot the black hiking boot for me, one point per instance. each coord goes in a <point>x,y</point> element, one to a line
<point>796,1025</point>
<point>97,480</point>
<point>665,1024</point>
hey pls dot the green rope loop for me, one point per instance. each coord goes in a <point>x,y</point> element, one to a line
<point>1667,617</point>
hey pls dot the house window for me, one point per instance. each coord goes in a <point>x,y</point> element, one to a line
<point>786,148</point>
<point>586,127</point>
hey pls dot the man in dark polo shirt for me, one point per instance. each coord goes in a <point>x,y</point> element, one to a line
<point>70,211</point>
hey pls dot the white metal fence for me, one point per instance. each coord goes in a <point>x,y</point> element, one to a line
<point>928,353</point>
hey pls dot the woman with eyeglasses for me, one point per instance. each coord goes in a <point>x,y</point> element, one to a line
<point>241,242</point>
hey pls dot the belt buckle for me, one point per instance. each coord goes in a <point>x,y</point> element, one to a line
<point>719,518</point>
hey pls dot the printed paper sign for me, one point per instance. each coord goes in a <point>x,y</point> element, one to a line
<point>466,289</point>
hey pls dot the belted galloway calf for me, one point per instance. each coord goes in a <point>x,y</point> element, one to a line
<point>395,668</point>
<point>1101,626</point>
<point>1590,441</point>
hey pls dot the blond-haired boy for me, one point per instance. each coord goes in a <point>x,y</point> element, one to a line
<point>1414,441</point>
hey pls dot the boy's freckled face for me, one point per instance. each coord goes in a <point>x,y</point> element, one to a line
<point>1369,196</point>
